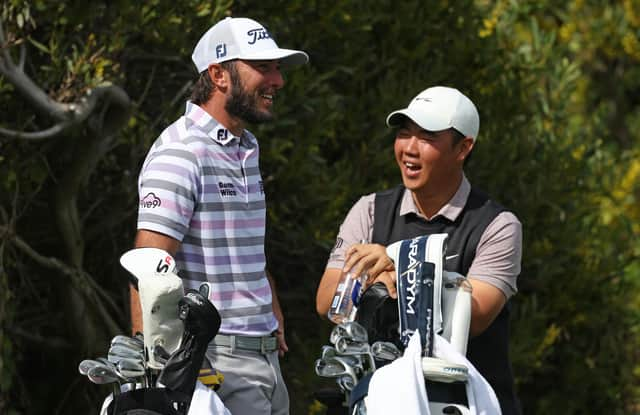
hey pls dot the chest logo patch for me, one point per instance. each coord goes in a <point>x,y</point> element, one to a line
<point>226,189</point>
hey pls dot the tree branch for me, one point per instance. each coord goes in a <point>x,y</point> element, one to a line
<point>67,115</point>
<point>51,132</point>
<point>82,281</point>
<point>27,88</point>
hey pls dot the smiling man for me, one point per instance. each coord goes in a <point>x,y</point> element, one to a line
<point>202,200</point>
<point>434,136</point>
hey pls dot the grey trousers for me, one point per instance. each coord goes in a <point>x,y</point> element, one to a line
<point>253,384</point>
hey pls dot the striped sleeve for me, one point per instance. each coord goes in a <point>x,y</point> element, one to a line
<point>168,189</point>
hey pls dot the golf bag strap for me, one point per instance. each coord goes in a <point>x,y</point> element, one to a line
<point>359,391</point>
<point>419,268</point>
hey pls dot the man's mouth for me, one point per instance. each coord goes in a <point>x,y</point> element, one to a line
<point>412,166</point>
<point>411,170</point>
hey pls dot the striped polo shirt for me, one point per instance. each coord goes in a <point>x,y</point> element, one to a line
<point>201,185</point>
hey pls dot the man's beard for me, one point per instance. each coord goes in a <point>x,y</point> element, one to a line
<point>244,105</point>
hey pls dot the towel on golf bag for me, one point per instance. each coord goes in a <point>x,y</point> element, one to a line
<point>204,401</point>
<point>398,388</point>
<point>480,395</point>
<point>387,395</point>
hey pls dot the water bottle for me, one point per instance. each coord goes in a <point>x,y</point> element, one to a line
<point>347,297</point>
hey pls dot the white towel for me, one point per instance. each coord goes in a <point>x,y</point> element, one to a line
<point>398,388</point>
<point>206,402</point>
<point>482,399</point>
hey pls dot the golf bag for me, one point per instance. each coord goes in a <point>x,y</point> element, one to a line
<point>178,327</point>
<point>430,323</point>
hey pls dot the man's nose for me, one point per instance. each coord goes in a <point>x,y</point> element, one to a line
<point>276,79</point>
<point>412,145</point>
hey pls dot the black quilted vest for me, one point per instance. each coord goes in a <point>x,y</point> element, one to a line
<point>489,352</point>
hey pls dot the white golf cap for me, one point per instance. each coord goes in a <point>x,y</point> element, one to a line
<point>241,38</point>
<point>439,108</point>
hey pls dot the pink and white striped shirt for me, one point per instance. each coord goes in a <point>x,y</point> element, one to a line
<point>202,186</point>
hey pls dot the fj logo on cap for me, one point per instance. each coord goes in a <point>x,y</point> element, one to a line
<point>257,34</point>
<point>221,50</point>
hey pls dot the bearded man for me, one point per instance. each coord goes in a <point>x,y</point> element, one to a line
<point>202,200</point>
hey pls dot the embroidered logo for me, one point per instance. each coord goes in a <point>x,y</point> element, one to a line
<point>222,134</point>
<point>257,34</point>
<point>150,201</point>
<point>338,244</point>
<point>261,187</point>
<point>163,265</point>
<point>221,50</point>
<point>226,189</point>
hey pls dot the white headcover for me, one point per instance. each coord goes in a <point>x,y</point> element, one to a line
<point>160,290</point>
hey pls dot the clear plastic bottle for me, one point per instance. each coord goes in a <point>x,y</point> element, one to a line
<point>347,296</point>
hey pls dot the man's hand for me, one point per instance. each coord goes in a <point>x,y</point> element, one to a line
<point>277,312</point>
<point>388,278</point>
<point>370,258</point>
<point>282,343</point>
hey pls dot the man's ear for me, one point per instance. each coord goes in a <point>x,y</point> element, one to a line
<point>466,145</point>
<point>219,76</point>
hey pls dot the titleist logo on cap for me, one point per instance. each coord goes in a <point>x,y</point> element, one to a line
<point>257,34</point>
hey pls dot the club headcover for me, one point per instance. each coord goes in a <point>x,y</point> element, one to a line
<point>201,323</point>
<point>378,314</point>
<point>160,291</point>
<point>200,316</point>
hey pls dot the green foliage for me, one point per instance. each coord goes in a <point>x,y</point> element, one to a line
<point>556,84</point>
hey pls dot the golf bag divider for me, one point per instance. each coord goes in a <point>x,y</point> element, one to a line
<point>454,392</point>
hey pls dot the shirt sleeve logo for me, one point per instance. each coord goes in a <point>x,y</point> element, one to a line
<point>338,244</point>
<point>150,201</point>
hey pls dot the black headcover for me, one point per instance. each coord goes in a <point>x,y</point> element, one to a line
<point>201,324</point>
<point>378,313</point>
